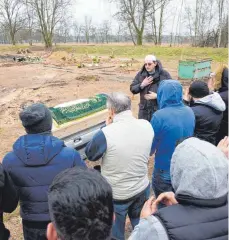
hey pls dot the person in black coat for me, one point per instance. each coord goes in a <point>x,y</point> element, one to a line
<point>208,109</point>
<point>223,92</point>
<point>146,83</point>
<point>8,201</point>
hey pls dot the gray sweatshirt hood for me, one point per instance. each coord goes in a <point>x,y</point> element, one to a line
<point>199,169</point>
<point>213,100</point>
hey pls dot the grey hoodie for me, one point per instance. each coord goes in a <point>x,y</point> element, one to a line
<point>208,114</point>
<point>198,169</point>
<point>213,100</point>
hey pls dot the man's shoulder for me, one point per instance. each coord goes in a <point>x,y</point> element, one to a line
<point>68,151</point>
<point>143,123</point>
<point>9,159</point>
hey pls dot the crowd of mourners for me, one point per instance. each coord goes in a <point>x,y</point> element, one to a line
<point>186,199</point>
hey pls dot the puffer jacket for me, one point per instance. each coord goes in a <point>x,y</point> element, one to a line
<point>148,107</point>
<point>32,165</point>
<point>209,114</point>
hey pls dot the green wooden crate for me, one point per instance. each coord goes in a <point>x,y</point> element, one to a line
<point>194,69</point>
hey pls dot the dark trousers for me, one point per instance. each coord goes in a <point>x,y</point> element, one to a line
<point>4,232</point>
<point>161,183</point>
<point>35,230</point>
<point>131,207</point>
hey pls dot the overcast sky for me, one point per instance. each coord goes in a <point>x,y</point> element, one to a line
<point>101,10</point>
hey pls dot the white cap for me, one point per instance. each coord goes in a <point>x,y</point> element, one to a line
<point>150,58</point>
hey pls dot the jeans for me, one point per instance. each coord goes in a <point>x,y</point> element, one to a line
<point>34,234</point>
<point>161,182</point>
<point>133,208</point>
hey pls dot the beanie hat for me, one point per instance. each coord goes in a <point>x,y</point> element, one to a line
<point>36,118</point>
<point>199,169</point>
<point>199,89</point>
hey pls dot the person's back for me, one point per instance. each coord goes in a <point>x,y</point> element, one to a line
<point>208,110</point>
<point>35,160</point>
<point>128,147</point>
<point>172,123</point>
<point>81,206</point>
<point>124,146</point>
<point>199,173</point>
<point>223,92</point>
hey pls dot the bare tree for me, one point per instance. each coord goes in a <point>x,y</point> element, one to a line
<point>220,9</point>
<point>77,30</point>
<point>63,29</point>
<point>156,29</point>
<point>11,17</point>
<point>30,20</point>
<point>49,14</point>
<point>87,28</point>
<point>105,31</point>
<point>135,13</point>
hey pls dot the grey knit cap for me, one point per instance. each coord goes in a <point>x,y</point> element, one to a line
<point>36,118</point>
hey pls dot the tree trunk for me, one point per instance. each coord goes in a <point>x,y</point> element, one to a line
<point>131,34</point>
<point>161,25</point>
<point>12,36</point>
<point>220,21</point>
<point>139,38</point>
<point>48,41</point>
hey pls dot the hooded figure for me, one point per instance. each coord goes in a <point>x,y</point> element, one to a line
<point>32,165</point>
<point>223,92</point>
<point>199,174</point>
<point>171,123</point>
<point>147,81</point>
<point>208,110</point>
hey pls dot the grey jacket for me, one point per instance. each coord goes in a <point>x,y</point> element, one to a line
<point>198,169</point>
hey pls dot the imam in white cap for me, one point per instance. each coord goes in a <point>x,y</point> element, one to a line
<point>150,58</point>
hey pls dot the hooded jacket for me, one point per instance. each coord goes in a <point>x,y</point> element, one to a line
<point>148,107</point>
<point>199,174</point>
<point>171,123</point>
<point>208,114</point>
<point>32,165</point>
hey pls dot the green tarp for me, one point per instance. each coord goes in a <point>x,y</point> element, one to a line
<point>66,114</point>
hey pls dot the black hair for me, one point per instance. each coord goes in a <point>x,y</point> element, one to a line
<point>81,205</point>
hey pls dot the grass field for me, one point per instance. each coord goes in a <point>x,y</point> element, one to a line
<point>162,52</point>
<point>130,51</point>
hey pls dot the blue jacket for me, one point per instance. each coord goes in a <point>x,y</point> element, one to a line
<point>172,123</point>
<point>33,164</point>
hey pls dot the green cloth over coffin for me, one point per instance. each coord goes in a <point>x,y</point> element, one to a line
<point>70,113</point>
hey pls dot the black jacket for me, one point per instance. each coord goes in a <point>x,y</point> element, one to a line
<point>8,200</point>
<point>146,108</point>
<point>223,92</point>
<point>194,219</point>
<point>208,114</point>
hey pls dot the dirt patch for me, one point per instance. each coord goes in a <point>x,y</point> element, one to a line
<point>89,78</point>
